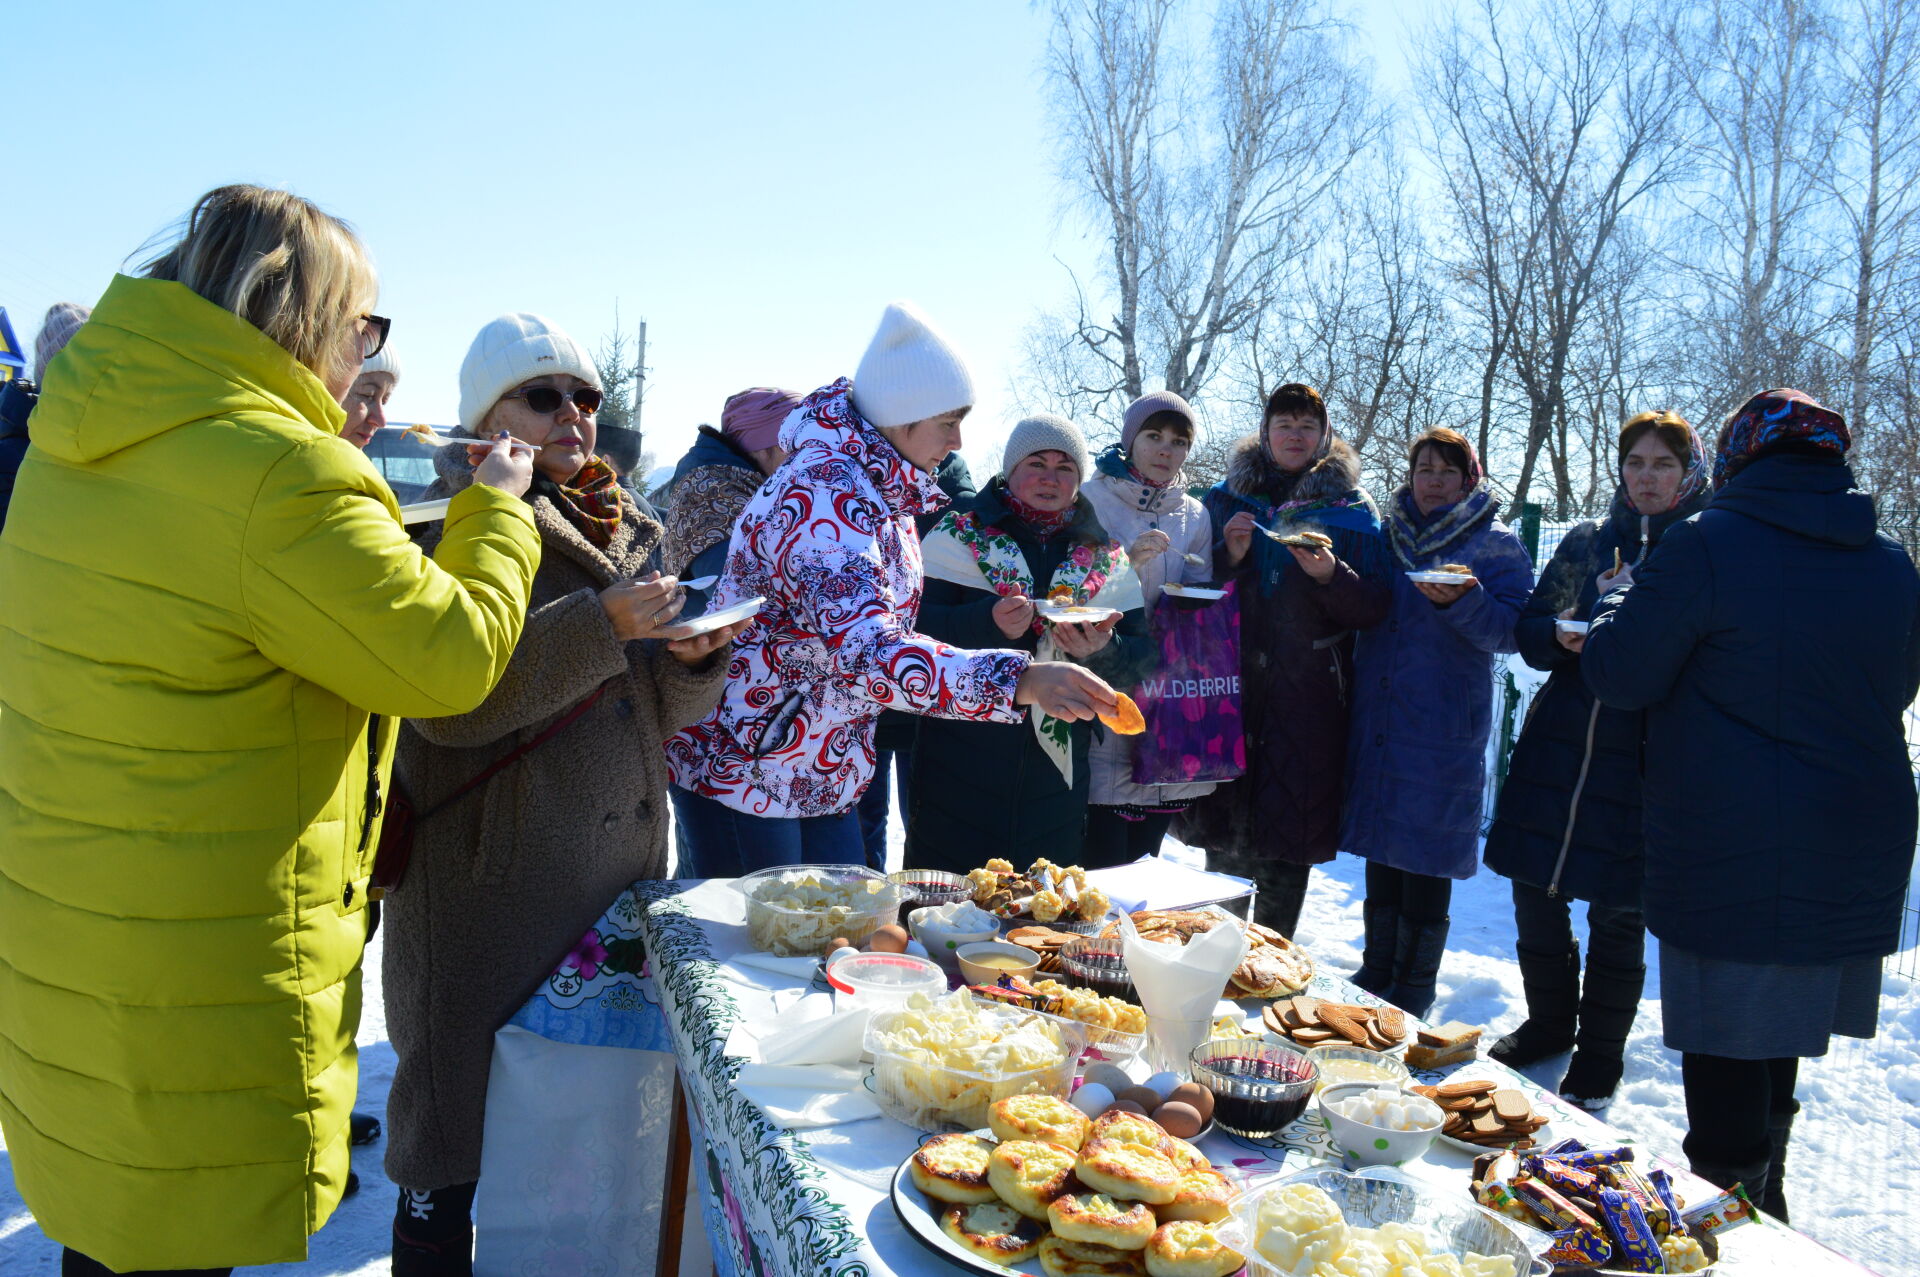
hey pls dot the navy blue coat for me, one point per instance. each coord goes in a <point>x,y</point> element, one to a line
<point>1568,819</point>
<point>1423,709</point>
<point>980,790</point>
<point>16,404</point>
<point>1772,640</point>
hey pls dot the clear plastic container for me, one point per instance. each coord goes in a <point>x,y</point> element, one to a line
<point>1346,1063</point>
<point>883,981</point>
<point>797,910</point>
<point>913,1087</point>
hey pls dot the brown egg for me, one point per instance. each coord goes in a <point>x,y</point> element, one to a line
<point>891,939</point>
<point>1145,1096</point>
<point>1125,1106</point>
<point>1196,1095</point>
<point>838,943</point>
<point>1182,1121</point>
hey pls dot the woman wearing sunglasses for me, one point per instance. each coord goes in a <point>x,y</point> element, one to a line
<point>506,878</point>
<point>213,618</point>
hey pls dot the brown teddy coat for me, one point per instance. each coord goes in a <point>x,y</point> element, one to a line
<point>505,881</point>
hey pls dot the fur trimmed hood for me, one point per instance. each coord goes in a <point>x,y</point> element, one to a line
<point>1252,474</point>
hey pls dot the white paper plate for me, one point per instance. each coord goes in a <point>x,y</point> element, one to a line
<point>1467,1073</point>
<point>713,620</point>
<point>1193,592</point>
<point>1080,613</point>
<point>1571,627</point>
<point>425,511</point>
<point>1440,578</point>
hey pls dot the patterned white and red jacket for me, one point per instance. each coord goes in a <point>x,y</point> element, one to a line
<point>829,541</point>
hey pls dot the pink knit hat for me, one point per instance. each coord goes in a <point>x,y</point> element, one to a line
<point>1145,406</point>
<point>752,418</point>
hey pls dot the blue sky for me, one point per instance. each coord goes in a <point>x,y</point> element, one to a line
<point>756,180</point>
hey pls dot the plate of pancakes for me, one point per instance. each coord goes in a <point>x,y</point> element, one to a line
<point>1046,1190</point>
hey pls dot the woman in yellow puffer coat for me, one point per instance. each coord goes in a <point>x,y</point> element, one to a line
<point>211,620</point>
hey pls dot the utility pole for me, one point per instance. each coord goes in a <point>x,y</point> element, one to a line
<point>640,381</point>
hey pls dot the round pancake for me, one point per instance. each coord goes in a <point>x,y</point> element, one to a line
<point>1128,1171</point>
<point>994,1231</point>
<point>953,1168</point>
<point>1046,1118</point>
<point>1098,1218</point>
<point>1188,1248</point>
<point>1062,1258</point>
<point>1027,1175</point>
<point>1202,1194</point>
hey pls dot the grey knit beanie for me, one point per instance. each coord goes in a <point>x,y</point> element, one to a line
<point>1145,406</point>
<point>62,322</point>
<point>1044,432</point>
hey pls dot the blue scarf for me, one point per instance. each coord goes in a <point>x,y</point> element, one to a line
<point>1419,538</point>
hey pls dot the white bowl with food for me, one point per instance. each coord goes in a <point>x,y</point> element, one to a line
<point>943,929</point>
<point>1377,1124</point>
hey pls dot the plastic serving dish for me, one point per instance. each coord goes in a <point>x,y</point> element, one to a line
<point>931,1096</point>
<point>781,921</point>
<point>1346,1063</point>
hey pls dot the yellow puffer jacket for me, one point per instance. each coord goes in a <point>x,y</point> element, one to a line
<point>204,591</point>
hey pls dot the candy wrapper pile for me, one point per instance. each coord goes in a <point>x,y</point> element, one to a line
<point>1602,1211</point>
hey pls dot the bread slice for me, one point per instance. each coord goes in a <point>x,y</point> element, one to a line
<point>1453,1033</point>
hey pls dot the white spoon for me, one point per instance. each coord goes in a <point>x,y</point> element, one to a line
<point>699,583</point>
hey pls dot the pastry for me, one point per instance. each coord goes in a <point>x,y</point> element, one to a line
<point>1027,1175</point>
<point>1038,1117</point>
<point>1189,1248</point>
<point>1062,1258</point>
<point>993,1231</point>
<point>1131,1171</point>
<point>1096,1217</point>
<point>1131,1128</point>
<point>1202,1194</point>
<point>953,1168</point>
<point>1126,719</point>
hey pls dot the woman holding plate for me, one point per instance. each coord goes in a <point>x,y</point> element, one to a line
<point>1423,709</point>
<point>1139,494</point>
<point>1568,823</point>
<point>507,874</point>
<point>1301,601</point>
<point>994,573</point>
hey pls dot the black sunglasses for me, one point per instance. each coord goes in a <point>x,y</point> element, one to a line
<point>373,338</point>
<point>545,399</point>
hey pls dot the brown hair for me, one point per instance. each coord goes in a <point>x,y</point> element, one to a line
<point>1298,400</point>
<point>1167,421</point>
<point>1450,444</point>
<point>297,274</point>
<point>1667,425</point>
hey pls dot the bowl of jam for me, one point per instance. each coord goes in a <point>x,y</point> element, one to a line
<point>1098,963</point>
<point>1259,1085</point>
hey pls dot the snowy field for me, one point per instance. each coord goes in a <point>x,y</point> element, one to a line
<point>1852,1174</point>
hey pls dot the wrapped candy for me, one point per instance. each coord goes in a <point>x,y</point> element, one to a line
<point>1589,1158</point>
<point>1727,1210</point>
<point>1635,1248</point>
<point>1573,1181</point>
<point>1662,1185</point>
<point>1561,1147</point>
<point>1627,1179</point>
<point>1553,1207</point>
<point>1577,1249</point>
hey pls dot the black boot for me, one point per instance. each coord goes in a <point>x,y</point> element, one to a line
<point>1416,964</point>
<point>1383,937</point>
<point>1282,891</point>
<point>433,1232</point>
<point>1780,1131</point>
<point>1755,1178</point>
<point>1609,1000</point>
<point>364,1128</point>
<point>1552,985</point>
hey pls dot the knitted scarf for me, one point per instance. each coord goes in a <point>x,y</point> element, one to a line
<point>590,500</point>
<point>1419,538</point>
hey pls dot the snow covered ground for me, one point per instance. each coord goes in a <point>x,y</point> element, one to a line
<point>1851,1179</point>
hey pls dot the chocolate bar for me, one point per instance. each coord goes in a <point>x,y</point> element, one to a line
<point>1662,1185</point>
<point>1625,1177</point>
<point>1635,1248</point>
<point>1560,1148</point>
<point>1578,1249</point>
<point>1573,1181</point>
<point>1728,1210</point>
<point>1552,1206</point>
<point>1589,1158</point>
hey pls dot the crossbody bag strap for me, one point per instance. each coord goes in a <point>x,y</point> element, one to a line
<point>499,765</point>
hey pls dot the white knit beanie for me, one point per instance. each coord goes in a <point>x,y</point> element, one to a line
<point>1044,432</point>
<point>513,349</point>
<point>909,372</point>
<point>384,361</point>
<point>62,322</point>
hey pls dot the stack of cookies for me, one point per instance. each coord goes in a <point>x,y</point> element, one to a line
<point>1485,1113</point>
<point>1312,1022</point>
<point>1044,941</point>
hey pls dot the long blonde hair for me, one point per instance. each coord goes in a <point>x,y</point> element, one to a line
<point>299,275</point>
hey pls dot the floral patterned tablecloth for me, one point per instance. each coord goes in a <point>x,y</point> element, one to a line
<point>815,1203</point>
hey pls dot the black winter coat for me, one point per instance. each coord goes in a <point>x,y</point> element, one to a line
<point>980,790</point>
<point>17,398</point>
<point>1773,642</point>
<point>1568,820</point>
